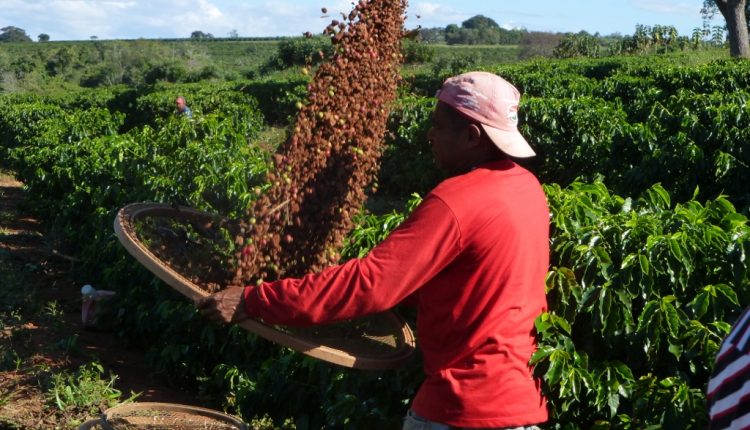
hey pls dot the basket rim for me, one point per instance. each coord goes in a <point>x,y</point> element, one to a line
<point>123,230</point>
<point>89,424</point>
<point>125,408</point>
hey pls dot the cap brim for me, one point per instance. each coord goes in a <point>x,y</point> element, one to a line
<point>510,142</point>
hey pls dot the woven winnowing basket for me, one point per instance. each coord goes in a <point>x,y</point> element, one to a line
<point>378,341</point>
<point>165,416</point>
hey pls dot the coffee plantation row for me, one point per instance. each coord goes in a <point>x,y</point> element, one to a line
<point>645,165</point>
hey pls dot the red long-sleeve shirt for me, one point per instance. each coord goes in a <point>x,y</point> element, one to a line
<point>476,252</point>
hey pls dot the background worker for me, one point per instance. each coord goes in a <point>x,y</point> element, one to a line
<point>474,255</point>
<point>182,107</point>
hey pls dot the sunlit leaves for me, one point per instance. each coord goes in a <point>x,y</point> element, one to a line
<point>370,229</point>
<point>644,282</point>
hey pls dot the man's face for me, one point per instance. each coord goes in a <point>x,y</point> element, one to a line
<point>448,140</point>
<point>180,103</point>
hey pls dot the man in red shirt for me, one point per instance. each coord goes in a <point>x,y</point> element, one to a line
<point>474,253</point>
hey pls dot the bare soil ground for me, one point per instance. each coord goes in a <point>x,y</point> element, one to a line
<point>41,331</point>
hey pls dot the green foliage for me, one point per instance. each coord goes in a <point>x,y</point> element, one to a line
<point>277,98</point>
<point>407,165</point>
<point>61,61</point>
<point>157,103</point>
<point>659,38</point>
<point>300,51</point>
<point>20,124</point>
<point>13,34</point>
<point>16,297</point>
<point>373,229</point>
<point>199,35</point>
<point>84,390</point>
<point>639,295</point>
<point>634,121</point>
<point>550,121</point>
<point>448,58</point>
<point>135,63</point>
<point>172,71</point>
<point>57,66</point>
<point>577,45</point>
<point>478,22</point>
<point>416,52</point>
<point>209,162</point>
<point>481,34</point>
<point>451,66</point>
<point>538,44</point>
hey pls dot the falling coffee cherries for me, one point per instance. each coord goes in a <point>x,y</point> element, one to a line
<point>320,174</point>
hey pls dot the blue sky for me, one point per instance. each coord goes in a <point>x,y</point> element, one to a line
<point>131,19</point>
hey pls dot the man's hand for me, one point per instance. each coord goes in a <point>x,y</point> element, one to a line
<point>226,306</point>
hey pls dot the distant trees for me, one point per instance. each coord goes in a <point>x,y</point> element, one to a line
<point>61,61</point>
<point>43,37</point>
<point>136,63</point>
<point>432,35</point>
<point>13,34</point>
<point>299,51</point>
<point>477,30</point>
<point>416,52</point>
<point>538,44</point>
<point>32,66</point>
<point>657,39</point>
<point>574,45</point>
<point>199,35</point>
<point>481,30</point>
<point>479,22</point>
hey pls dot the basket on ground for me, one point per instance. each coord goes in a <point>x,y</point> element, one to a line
<point>163,416</point>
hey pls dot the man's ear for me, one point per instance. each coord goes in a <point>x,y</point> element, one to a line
<point>475,134</point>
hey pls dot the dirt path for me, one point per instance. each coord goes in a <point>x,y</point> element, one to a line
<point>41,331</point>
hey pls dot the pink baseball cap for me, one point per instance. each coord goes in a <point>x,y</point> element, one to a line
<point>493,102</point>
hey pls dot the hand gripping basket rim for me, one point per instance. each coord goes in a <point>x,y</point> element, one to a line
<point>124,230</point>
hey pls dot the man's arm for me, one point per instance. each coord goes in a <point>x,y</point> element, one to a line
<point>411,255</point>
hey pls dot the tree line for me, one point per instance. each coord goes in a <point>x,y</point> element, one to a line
<point>477,30</point>
<point>481,30</point>
<point>15,34</point>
